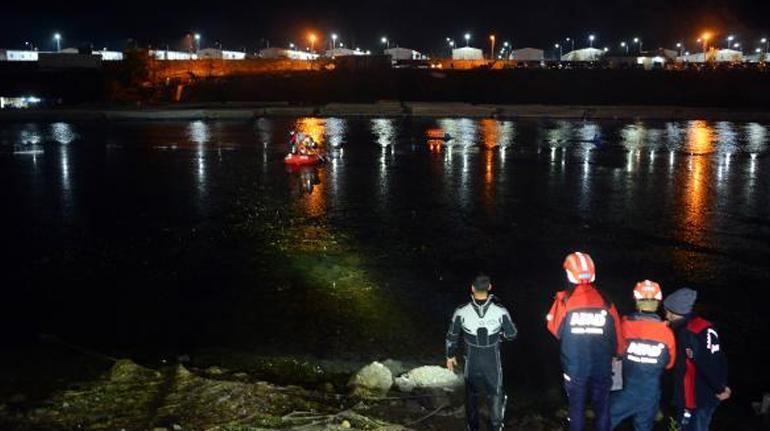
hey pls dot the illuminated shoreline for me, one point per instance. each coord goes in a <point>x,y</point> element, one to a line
<point>245,112</point>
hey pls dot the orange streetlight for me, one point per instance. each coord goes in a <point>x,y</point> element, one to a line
<point>311,37</point>
<point>705,38</point>
<point>492,50</point>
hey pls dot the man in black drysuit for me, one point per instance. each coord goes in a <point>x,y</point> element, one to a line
<point>483,324</point>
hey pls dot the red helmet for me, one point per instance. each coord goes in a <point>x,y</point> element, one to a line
<point>648,290</point>
<point>580,268</point>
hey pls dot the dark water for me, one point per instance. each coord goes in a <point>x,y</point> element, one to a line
<point>158,239</point>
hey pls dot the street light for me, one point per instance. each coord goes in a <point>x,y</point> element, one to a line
<point>558,46</point>
<point>334,40</point>
<point>765,42</point>
<point>197,37</point>
<point>638,42</point>
<point>624,45</point>
<point>572,41</point>
<point>591,40</point>
<point>705,38</point>
<point>492,46</point>
<point>311,37</point>
<point>679,48</point>
<point>729,40</point>
<point>385,42</point>
<point>467,39</point>
<point>291,45</point>
<point>57,38</point>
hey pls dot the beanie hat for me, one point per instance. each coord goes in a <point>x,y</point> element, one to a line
<point>681,301</point>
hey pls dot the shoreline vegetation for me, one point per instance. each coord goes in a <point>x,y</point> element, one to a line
<point>393,109</point>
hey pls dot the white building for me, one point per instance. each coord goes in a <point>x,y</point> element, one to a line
<point>341,52</point>
<point>161,54</point>
<point>527,54</point>
<point>467,53</point>
<point>18,55</point>
<point>291,54</point>
<point>585,54</point>
<point>716,55</point>
<point>399,53</point>
<point>109,55</point>
<point>221,54</point>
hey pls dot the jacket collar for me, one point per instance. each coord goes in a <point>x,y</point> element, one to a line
<point>481,307</point>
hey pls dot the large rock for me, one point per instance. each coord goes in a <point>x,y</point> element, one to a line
<point>373,380</point>
<point>432,376</point>
<point>396,368</point>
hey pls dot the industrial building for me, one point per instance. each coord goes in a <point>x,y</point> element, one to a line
<point>342,52</point>
<point>585,54</point>
<point>467,53</point>
<point>18,55</point>
<point>291,54</point>
<point>221,54</point>
<point>399,53</point>
<point>527,54</point>
<point>161,54</point>
<point>715,55</point>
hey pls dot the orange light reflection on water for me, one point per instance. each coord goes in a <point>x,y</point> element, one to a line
<point>696,200</point>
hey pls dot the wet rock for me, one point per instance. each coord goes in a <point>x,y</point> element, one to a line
<point>396,368</point>
<point>405,384</point>
<point>126,370</point>
<point>432,376</point>
<point>215,371</point>
<point>373,380</point>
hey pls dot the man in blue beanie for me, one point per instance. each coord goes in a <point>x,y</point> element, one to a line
<point>700,371</point>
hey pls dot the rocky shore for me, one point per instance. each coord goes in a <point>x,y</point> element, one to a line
<point>247,111</point>
<point>183,397</point>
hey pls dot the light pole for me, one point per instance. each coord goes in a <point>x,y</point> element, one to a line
<point>572,41</point>
<point>491,46</point>
<point>57,38</point>
<point>729,40</point>
<point>291,45</point>
<point>197,41</point>
<point>311,37</point>
<point>505,48</point>
<point>679,48</point>
<point>638,42</point>
<point>765,42</point>
<point>737,46</point>
<point>591,40</point>
<point>334,40</point>
<point>451,44</point>
<point>558,46</point>
<point>705,39</point>
<point>385,42</point>
<point>624,45</point>
<point>467,39</point>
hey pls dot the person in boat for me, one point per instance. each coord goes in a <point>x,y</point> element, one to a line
<point>296,140</point>
<point>481,325</point>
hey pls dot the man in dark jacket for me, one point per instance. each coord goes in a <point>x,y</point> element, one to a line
<point>700,372</point>
<point>482,324</point>
<point>589,333</point>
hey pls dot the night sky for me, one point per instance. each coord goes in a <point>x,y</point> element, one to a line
<point>419,24</point>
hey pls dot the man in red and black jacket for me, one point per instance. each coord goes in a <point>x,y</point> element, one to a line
<point>589,333</point>
<point>700,372</point>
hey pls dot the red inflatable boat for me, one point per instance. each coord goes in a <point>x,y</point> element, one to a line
<point>302,160</point>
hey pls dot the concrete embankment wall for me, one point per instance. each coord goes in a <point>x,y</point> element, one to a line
<point>728,88</point>
<point>389,109</point>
